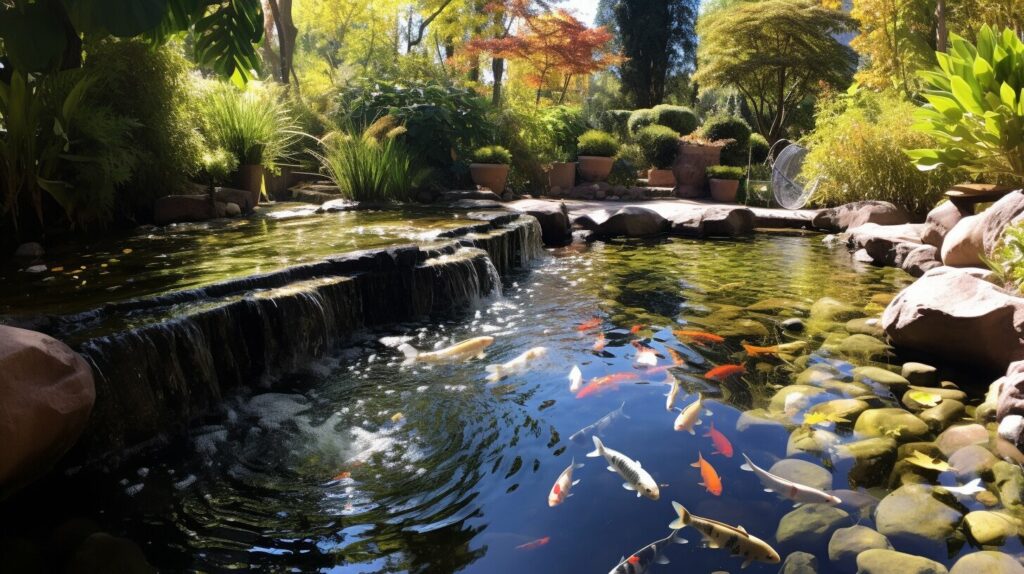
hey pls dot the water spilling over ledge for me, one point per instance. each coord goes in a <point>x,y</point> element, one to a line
<point>162,361</point>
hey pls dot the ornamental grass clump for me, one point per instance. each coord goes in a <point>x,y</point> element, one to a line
<point>494,154</point>
<point>367,168</point>
<point>253,124</point>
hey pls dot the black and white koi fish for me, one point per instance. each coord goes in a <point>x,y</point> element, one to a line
<point>637,479</point>
<point>654,553</point>
<point>598,426</point>
<point>733,538</point>
<point>798,493</point>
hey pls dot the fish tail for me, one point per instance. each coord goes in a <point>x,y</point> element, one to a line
<point>700,458</point>
<point>684,516</point>
<point>677,539</point>
<point>623,412</point>
<point>747,466</point>
<point>410,353</point>
<point>598,447</point>
<point>494,372</point>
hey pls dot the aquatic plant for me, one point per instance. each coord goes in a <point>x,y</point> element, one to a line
<point>366,168</point>
<point>597,143</point>
<point>660,145</point>
<point>492,154</point>
<point>253,124</point>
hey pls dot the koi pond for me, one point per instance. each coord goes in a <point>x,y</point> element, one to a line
<point>379,461</point>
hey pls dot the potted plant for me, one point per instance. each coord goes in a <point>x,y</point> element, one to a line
<point>217,165</point>
<point>490,168</point>
<point>696,154</point>
<point>596,153</point>
<point>561,174</point>
<point>660,146</point>
<point>724,182</point>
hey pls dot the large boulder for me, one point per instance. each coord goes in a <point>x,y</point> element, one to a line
<point>860,236</point>
<point>632,221</point>
<point>939,221</point>
<point>921,259</point>
<point>882,561</point>
<point>1010,403</point>
<point>956,314</point>
<point>553,217</point>
<point>914,519</point>
<point>186,208</point>
<point>963,245</point>
<point>240,197</point>
<point>847,543</point>
<point>997,217</point>
<point>717,221</point>
<point>46,395</point>
<point>858,213</point>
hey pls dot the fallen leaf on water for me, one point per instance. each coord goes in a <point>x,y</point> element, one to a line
<point>342,475</point>
<point>397,417</point>
<point>924,461</point>
<point>925,398</point>
<point>126,250</point>
<point>818,418</point>
<point>56,269</point>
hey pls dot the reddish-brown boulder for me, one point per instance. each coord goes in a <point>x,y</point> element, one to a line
<point>46,395</point>
<point>939,221</point>
<point>963,245</point>
<point>858,213</point>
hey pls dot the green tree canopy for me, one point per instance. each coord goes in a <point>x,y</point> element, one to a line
<point>657,37</point>
<point>776,53</point>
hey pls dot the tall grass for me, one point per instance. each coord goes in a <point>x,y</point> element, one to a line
<point>368,168</point>
<point>254,125</point>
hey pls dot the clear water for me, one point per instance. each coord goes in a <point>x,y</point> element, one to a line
<point>321,474</point>
<point>159,260</point>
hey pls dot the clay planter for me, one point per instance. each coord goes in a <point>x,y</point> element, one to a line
<point>691,165</point>
<point>724,190</point>
<point>595,168</point>
<point>562,175</point>
<point>490,175</point>
<point>250,178</point>
<point>661,178</point>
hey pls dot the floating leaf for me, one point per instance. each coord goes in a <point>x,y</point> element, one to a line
<point>818,418</point>
<point>397,417</point>
<point>925,398</point>
<point>924,461</point>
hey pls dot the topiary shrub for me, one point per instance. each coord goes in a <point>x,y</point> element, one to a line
<point>679,118</point>
<point>640,119</point>
<point>759,149</point>
<point>660,145</point>
<point>724,172</point>
<point>615,122</point>
<point>597,143</point>
<point>725,127</point>
<point>492,154</point>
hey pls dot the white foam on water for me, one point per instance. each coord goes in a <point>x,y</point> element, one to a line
<point>134,489</point>
<point>185,482</point>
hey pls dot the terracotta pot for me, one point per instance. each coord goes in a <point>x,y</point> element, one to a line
<point>661,178</point>
<point>490,175</point>
<point>250,178</point>
<point>724,190</point>
<point>595,168</point>
<point>562,175</point>
<point>691,165</point>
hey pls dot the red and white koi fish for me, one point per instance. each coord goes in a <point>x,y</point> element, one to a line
<point>722,444</point>
<point>560,490</point>
<point>600,343</point>
<point>654,553</point>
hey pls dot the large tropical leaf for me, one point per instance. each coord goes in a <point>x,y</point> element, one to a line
<point>33,37</point>
<point>226,36</point>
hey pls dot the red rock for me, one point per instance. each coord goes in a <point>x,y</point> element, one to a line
<point>939,221</point>
<point>46,395</point>
<point>856,214</point>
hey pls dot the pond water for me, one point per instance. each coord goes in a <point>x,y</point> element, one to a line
<point>362,464</point>
<point>155,260</point>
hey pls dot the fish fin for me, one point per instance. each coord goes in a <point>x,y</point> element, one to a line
<point>746,563</point>
<point>481,355</point>
<point>676,524</point>
<point>797,504</point>
<point>768,490</point>
<point>696,464</point>
<point>638,464</point>
<point>597,448</point>
<point>611,468</point>
<point>408,350</point>
<point>628,486</point>
<point>741,529</point>
<point>746,467</point>
<point>575,482</point>
<point>704,485</point>
<point>676,539</point>
<point>694,433</point>
<point>661,559</point>
<point>711,542</point>
<point>684,515</point>
<point>699,421</point>
<point>638,495</point>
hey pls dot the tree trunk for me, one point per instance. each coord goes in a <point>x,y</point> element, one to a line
<point>941,35</point>
<point>498,70</point>
<point>281,16</point>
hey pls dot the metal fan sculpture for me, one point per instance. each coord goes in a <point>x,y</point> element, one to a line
<point>790,188</point>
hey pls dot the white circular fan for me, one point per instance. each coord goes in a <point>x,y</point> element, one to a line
<point>790,188</point>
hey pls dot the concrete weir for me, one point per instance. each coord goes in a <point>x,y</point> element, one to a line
<point>163,361</point>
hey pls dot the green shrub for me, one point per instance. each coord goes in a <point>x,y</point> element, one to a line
<point>660,145</point>
<point>492,154</point>
<point>523,131</point>
<point>679,118</point>
<point>856,151</point>
<point>725,172</point>
<point>564,125</point>
<point>759,149</point>
<point>217,165</point>
<point>597,143</point>
<point>640,119</point>
<point>725,127</point>
<point>367,169</point>
<point>254,124</point>
<point>975,109</point>
<point>1007,261</point>
<point>615,122</point>
<point>624,171</point>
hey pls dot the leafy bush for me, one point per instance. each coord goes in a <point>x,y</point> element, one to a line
<point>640,119</point>
<point>724,127</point>
<point>660,145</point>
<point>759,149</point>
<point>725,172</point>
<point>492,154</point>
<point>443,122</point>
<point>679,118</point>
<point>975,109</point>
<point>615,122</point>
<point>624,171</point>
<point>254,124</point>
<point>597,143</point>
<point>856,151</point>
<point>523,131</point>
<point>367,169</point>
<point>1007,261</point>
<point>218,164</point>
<point>564,125</point>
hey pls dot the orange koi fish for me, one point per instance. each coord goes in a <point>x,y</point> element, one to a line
<point>592,323</point>
<point>342,475</point>
<point>754,351</point>
<point>722,444</point>
<point>636,329</point>
<point>712,482</point>
<point>722,372</point>
<point>600,342</point>
<point>598,384</point>
<point>699,336</point>
<point>534,544</point>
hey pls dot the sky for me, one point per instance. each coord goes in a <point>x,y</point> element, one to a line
<point>584,9</point>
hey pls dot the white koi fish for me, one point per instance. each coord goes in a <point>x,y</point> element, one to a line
<point>654,553</point>
<point>689,416</point>
<point>560,490</point>
<point>517,365</point>
<point>720,535</point>
<point>575,379</point>
<point>637,479</point>
<point>461,351</point>
<point>970,489</point>
<point>798,493</point>
<point>672,392</point>
<point>599,425</point>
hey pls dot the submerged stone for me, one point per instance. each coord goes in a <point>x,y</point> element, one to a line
<point>987,562</point>
<point>892,422</point>
<point>881,561</point>
<point>810,441</point>
<point>915,520</point>
<point>895,382</point>
<point>919,374</point>
<point>847,543</point>
<point>943,393</point>
<point>803,472</point>
<point>799,563</point>
<point>864,346</point>
<point>865,326</point>
<point>989,528</point>
<point>795,398</point>
<point>1009,479</point>
<point>810,527</point>
<point>848,409</point>
<point>942,415</point>
<point>973,461</point>
<point>832,310</point>
<point>866,462</point>
<point>955,438</point>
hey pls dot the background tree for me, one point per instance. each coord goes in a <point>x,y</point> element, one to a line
<point>775,53</point>
<point>657,38</point>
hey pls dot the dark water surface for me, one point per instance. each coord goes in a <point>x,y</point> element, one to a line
<point>361,465</point>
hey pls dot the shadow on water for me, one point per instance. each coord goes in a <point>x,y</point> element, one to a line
<point>363,464</point>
